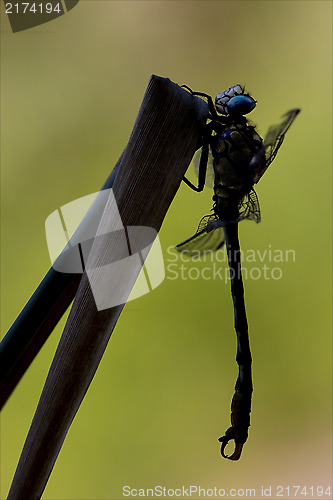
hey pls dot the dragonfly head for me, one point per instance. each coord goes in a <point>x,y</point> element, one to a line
<point>234,102</point>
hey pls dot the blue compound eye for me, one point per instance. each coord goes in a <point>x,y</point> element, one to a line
<point>241,105</point>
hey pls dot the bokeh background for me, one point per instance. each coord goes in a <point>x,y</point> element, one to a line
<point>71,90</point>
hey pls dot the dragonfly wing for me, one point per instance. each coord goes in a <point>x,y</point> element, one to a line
<point>272,143</point>
<point>202,242</point>
<point>209,182</point>
<point>249,207</point>
<point>209,237</point>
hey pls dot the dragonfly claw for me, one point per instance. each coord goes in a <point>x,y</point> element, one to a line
<point>240,421</point>
<point>231,435</point>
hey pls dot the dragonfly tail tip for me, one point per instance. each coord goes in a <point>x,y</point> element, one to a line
<point>224,440</point>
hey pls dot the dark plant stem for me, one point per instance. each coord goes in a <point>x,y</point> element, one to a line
<point>161,146</point>
<point>38,318</point>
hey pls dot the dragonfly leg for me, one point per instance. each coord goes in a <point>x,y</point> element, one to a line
<point>210,102</point>
<point>206,135</point>
<point>241,401</point>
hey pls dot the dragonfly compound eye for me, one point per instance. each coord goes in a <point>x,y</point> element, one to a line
<point>240,105</point>
<point>222,99</point>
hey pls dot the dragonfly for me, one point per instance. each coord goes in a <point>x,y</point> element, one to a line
<point>235,157</point>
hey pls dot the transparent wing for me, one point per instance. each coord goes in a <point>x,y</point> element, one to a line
<point>272,143</point>
<point>210,234</point>
<point>209,237</point>
<point>275,135</point>
<point>249,207</point>
<point>209,182</point>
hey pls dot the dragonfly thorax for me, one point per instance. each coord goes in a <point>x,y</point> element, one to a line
<point>234,101</point>
<point>232,151</point>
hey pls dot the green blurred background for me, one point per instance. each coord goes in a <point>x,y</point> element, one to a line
<point>71,90</point>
